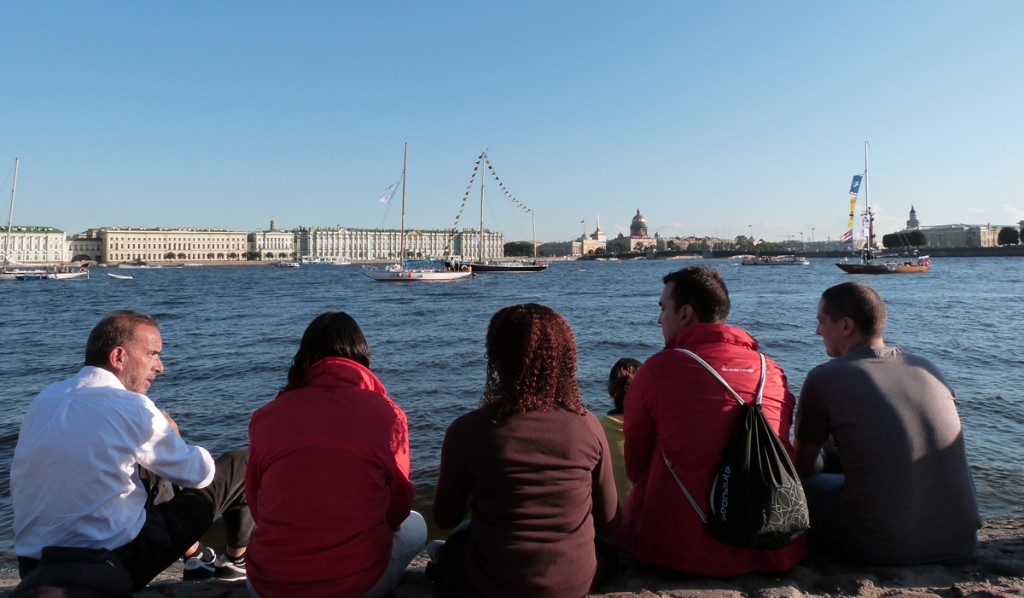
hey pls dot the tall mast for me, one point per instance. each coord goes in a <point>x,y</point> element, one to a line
<point>483,185</point>
<point>533,219</point>
<point>10,214</point>
<point>867,205</point>
<point>401,244</point>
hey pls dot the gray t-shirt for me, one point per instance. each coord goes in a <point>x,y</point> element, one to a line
<point>908,496</point>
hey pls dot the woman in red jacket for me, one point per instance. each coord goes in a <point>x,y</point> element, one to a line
<point>328,475</point>
<point>531,466</point>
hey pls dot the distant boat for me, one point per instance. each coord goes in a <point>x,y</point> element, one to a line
<point>888,265</point>
<point>482,265</point>
<point>776,260</point>
<point>403,272</point>
<point>869,262</point>
<point>508,266</point>
<point>34,276</point>
<point>47,273</point>
<point>287,265</point>
<point>120,276</point>
<point>11,271</point>
<point>136,264</point>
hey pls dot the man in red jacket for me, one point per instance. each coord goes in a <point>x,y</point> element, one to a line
<point>676,406</point>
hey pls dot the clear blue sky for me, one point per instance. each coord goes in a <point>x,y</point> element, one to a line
<point>711,118</point>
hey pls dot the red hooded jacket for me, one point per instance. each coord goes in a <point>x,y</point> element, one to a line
<point>327,483</point>
<point>675,405</point>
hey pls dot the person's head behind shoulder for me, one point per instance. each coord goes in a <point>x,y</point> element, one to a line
<point>695,295</point>
<point>850,315</point>
<point>127,343</point>
<point>531,362</point>
<point>331,334</point>
<point>619,378</point>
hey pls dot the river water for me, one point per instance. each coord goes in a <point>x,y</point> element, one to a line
<point>229,334</point>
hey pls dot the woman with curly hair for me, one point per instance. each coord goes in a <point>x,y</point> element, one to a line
<point>328,475</point>
<point>531,466</point>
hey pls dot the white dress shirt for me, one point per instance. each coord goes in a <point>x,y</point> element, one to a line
<point>73,477</point>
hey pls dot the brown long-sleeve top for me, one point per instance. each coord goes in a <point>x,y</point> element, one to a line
<point>539,486</point>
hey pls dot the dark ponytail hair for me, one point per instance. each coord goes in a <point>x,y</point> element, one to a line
<point>331,334</point>
<point>619,379</point>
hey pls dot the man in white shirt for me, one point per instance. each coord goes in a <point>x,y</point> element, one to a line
<point>97,465</point>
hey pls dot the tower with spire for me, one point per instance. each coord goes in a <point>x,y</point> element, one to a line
<point>598,234</point>
<point>912,223</point>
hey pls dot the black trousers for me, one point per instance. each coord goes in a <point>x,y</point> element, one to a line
<point>177,518</point>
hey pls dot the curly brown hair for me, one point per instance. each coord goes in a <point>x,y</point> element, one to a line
<point>531,362</point>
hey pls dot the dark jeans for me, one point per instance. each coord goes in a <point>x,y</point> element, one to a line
<point>824,493</point>
<point>176,518</point>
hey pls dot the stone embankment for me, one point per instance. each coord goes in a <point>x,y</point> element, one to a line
<point>997,569</point>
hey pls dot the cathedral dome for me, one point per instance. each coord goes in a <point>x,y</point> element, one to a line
<point>639,226</point>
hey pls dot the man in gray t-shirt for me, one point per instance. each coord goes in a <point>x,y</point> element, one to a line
<point>905,494</point>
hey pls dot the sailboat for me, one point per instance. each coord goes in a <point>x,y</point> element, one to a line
<point>402,272</point>
<point>31,273</point>
<point>869,262</point>
<point>482,265</point>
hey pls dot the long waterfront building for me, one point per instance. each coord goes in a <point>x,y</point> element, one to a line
<point>154,245</point>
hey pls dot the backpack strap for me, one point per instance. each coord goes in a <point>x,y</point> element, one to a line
<point>682,486</point>
<point>714,372</point>
<point>757,401</point>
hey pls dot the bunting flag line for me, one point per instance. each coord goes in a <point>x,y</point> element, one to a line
<point>465,196</point>
<point>449,243</point>
<point>504,190</point>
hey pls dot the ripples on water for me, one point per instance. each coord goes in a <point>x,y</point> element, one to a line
<point>229,335</point>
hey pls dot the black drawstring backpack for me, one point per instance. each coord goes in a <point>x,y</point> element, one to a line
<point>756,500</point>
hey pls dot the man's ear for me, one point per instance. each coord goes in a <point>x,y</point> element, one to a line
<point>116,358</point>
<point>846,326</point>
<point>686,315</point>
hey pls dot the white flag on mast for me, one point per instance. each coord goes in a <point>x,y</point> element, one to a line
<point>389,192</point>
